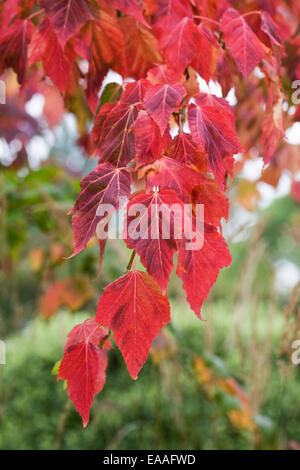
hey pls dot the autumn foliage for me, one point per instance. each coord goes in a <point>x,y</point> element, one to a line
<point>159,129</point>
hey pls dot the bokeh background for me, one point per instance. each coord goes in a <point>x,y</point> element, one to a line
<point>225,383</point>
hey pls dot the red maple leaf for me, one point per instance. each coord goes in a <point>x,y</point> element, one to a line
<point>153,223</point>
<point>104,185</point>
<point>13,47</point>
<point>244,45</point>
<point>134,92</point>
<point>161,100</point>
<point>112,139</point>
<point>167,13</point>
<point>141,47</point>
<point>83,365</point>
<point>185,150</point>
<point>198,268</point>
<point>103,46</point>
<point>205,63</point>
<point>212,125</point>
<point>149,143</point>
<point>58,63</point>
<point>180,44</point>
<point>169,174</point>
<point>67,16</point>
<point>135,309</point>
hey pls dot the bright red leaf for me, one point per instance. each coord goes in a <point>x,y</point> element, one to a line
<point>83,365</point>
<point>58,63</point>
<point>112,139</point>
<point>154,220</point>
<point>167,13</point>
<point>161,100</point>
<point>67,16</point>
<point>104,185</point>
<point>185,150</point>
<point>169,174</point>
<point>13,47</point>
<point>135,309</point>
<point>149,143</point>
<point>212,125</point>
<point>134,92</point>
<point>198,268</point>
<point>243,44</point>
<point>180,44</point>
<point>141,47</point>
<point>104,48</point>
<point>205,63</point>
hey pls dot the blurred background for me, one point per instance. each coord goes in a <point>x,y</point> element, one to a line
<point>225,383</point>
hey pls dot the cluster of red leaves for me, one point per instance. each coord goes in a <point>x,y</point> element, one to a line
<point>159,47</point>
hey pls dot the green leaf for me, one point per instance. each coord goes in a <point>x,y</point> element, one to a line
<point>55,368</point>
<point>112,92</point>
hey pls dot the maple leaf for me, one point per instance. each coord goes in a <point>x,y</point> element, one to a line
<point>212,125</point>
<point>104,185</point>
<point>142,50</point>
<point>111,136</point>
<point>190,185</point>
<point>149,143</point>
<point>89,331</point>
<point>105,49</point>
<point>161,100</point>
<point>244,45</point>
<point>205,61</point>
<point>198,268</point>
<point>153,224</point>
<point>134,92</point>
<point>180,44</point>
<point>67,16</point>
<point>167,13</point>
<point>83,365</point>
<point>13,47</point>
<point>135,309</point>
<point>169,174</point>
<point>58,63</point>
<point>183,149</point>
